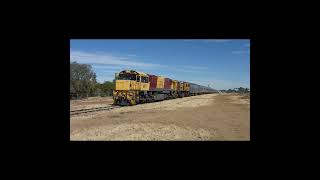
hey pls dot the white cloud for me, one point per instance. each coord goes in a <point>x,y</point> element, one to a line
<point>132,55</point>
<point>107,59</point>
<point>188,69</point>
<point>195,67</point>
<point>102,66</point>
<point>103,61</point>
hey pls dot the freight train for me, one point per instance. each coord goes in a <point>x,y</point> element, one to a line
<point>133,87</point>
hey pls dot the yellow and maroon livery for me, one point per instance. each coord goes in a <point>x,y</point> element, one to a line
<point>133,87</point>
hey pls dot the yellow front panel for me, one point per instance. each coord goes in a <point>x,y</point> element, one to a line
<point>122,85</point>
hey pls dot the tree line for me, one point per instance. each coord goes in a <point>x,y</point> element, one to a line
<point>240,90</point>
<point>83,82</point>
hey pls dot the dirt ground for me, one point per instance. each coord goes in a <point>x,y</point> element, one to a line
<point>204,117</point>
<point>91,102</point>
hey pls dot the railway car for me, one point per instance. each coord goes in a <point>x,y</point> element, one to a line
<point>198,89</point>
<point>133,87</point>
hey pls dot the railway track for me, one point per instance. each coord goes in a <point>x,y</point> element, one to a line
<point>81,111</point>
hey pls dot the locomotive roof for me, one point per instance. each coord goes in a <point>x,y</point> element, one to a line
<point>144,74</point>
<point>133,72</point>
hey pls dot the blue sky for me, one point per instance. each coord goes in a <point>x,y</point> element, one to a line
<point>223,63</point>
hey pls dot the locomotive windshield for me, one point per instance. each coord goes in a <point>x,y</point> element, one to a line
<point>127,77</point>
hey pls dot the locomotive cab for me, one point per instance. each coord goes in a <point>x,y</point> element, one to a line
<point>128,84</point>
<point>132,80</point>
<point>124,81</point>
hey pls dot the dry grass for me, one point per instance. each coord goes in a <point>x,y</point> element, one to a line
<point>203,117</point>
<point>143,131</point>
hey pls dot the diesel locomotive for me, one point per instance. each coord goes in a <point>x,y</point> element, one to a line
<point>133,87</point>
